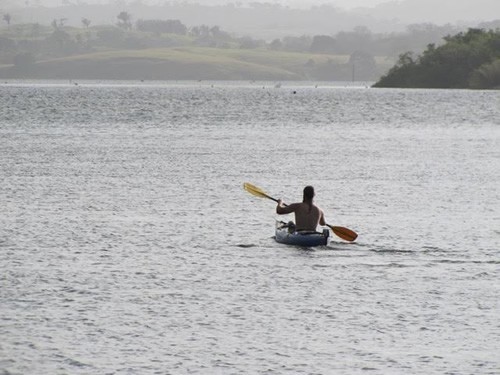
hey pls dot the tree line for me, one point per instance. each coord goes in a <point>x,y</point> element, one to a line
<point>60,39</point>
<point>24,44</point>
<point>467,60</point>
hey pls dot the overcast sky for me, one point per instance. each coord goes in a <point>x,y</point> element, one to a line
<point>404,11</point>
<point>348,4</point>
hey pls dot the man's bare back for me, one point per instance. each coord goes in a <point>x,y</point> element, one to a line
<point>307,215</point>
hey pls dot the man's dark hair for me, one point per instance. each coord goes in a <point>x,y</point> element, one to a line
<point>308,193</point>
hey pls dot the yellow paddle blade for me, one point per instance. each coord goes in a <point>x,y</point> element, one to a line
<point>254,190</point>
<point>344,233</point>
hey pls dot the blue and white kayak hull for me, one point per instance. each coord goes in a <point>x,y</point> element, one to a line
<point>301,238</point>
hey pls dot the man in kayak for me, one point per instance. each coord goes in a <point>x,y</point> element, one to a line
<point>307,215</point>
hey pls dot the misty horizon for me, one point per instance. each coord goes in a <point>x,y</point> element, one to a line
<point>345,4</point>
<point>266,20</point>
<point>329,41</point>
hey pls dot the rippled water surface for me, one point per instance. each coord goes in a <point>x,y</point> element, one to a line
<point>128,246</point>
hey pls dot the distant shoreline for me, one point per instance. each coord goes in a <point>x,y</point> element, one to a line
<point>266,84</point>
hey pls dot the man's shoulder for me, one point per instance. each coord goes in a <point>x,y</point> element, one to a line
<point>318,208</point>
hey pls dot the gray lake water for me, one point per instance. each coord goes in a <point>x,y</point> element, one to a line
<point>128,245</point>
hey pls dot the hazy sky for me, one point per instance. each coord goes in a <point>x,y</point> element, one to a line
<point>341,3</point>
<point>346,4</point>
<point>403,11</point>
<point>301,3</point>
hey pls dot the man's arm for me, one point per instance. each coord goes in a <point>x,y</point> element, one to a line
<point>322,220</point>
<point>281,209</point>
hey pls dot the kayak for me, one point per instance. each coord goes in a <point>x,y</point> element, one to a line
<point>300,238</point>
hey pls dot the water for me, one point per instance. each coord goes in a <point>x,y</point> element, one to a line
<point>128,245</point>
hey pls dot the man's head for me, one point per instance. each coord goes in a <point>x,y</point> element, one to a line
<point>308,193</point>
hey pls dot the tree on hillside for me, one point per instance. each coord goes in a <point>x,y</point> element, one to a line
<point>60,43</point>
<point>86,22</point>
<point>162,26</point>
<point>276,45</point>
<point>247,42</point>
<point>7,18</point>
<point>297,44</point>
<point>111,37</point>
<point>203,31</point>
<point>462,62</point>
<point>210,36</point>
<point>57,24</point>
<point>322,44</point>
<point>360,39</point>
<point>124,20</point>
<point>486,76</point>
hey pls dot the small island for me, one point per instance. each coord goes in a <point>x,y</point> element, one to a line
<point>467,60</point>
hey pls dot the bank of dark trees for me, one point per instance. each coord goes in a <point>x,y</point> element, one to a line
<point>466,60</point>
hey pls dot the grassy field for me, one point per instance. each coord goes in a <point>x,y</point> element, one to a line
<point>176,63</point>
<point>184,63</point>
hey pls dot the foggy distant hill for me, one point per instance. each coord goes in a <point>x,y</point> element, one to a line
<point>265,20</point>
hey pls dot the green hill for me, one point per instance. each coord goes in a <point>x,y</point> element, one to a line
<point>466,60</point>
<point>178,63</point>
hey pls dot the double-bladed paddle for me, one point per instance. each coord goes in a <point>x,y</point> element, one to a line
<point>344,233</point>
